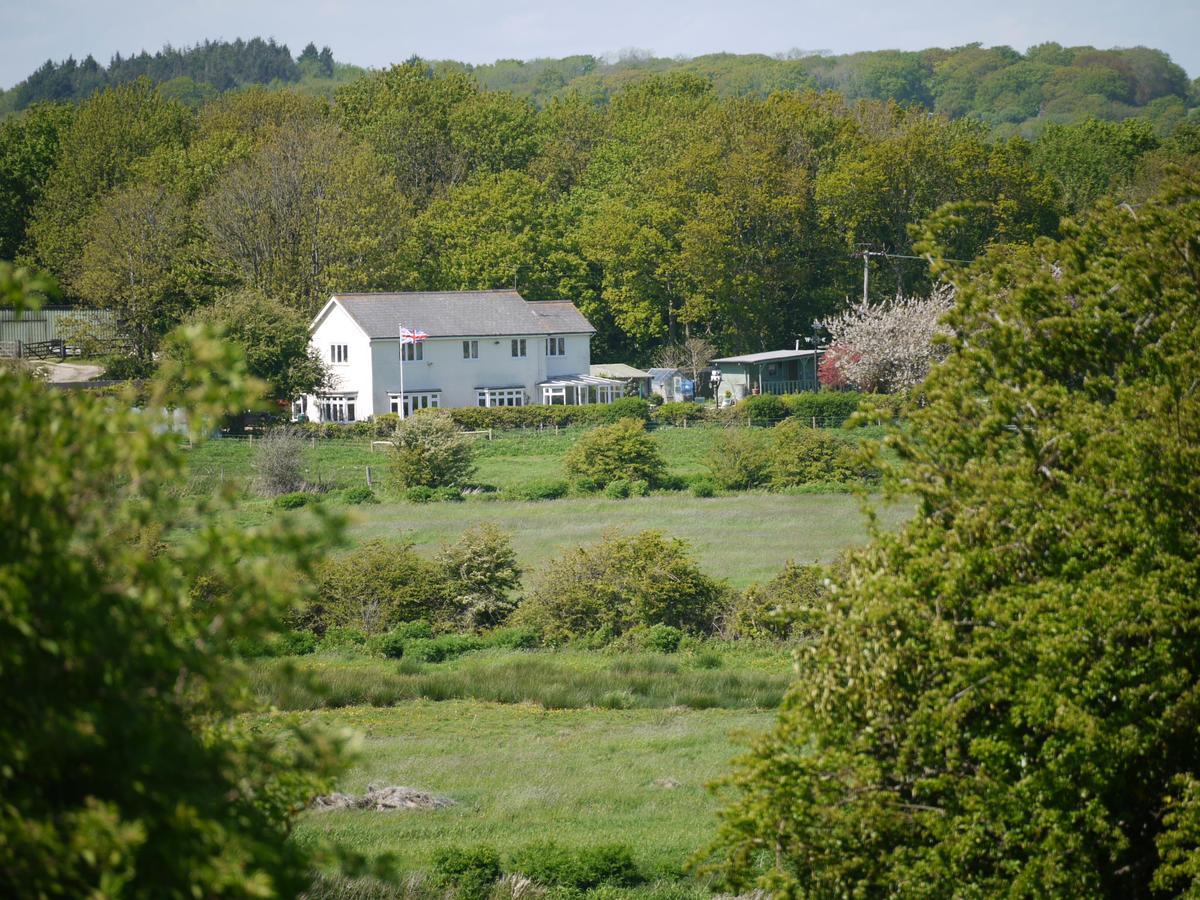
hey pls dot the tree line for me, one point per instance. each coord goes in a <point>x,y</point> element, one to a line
<point>669,211</point>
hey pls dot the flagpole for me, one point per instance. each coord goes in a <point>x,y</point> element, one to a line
<point>402,416</point>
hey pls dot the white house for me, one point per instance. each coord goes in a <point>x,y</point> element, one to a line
<point>484,348</point>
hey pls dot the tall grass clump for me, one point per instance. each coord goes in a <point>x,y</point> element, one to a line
<point>279,463</point>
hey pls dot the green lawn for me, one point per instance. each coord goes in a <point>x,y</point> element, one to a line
<point>522,774</point>
<point>742,537</point>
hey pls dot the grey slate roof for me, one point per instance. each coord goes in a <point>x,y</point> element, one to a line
<point>769,356</point>
<point>462,313</point>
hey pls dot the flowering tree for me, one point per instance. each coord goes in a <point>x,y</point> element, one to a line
<point>889,346</point>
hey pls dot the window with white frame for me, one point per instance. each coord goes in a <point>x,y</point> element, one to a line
<point>556,346</point>
<point>336,407</point>
<point>412,352</point>
<point>500,396</point>
<point>470,349</point>
<point>414,400</point>
<point>554,395</point>
<point>339,353</point>
<point>518,346</point>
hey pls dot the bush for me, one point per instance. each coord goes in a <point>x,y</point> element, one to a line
<point>412,630</point>
<point>480,572</point>
<point>279,462</point>
<point>442,648</point>
<point>663,638</point>
<point>431,452</point>
<point>389,644</point>
<point>639,488</point>
<point>378,583</point>
<point>470,871</point>
<point>621,582</point>
<point>538,490</point>
<point>553,865</point>
<point>617,489</point>
<point>338,637</point>
<point>294,643</point>
<point>786,606</point>
<point>763,410</point>
<point>678,413</point>
<point>829,408</point>
<point>359,495</point>
<point>739,459</point>
<point>624,408</point>
<point>619,451</point>
<point>704,488</point>
<point>419,494</point>
<point>294,500</point>
<point>801,454</point>
<point>515,638</point>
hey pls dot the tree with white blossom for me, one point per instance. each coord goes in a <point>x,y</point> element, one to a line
<point>888,346</point>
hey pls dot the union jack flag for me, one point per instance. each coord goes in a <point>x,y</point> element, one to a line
<point>410,336</point>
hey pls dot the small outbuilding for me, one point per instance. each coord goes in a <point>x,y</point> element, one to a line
<point>772,372</point>
<point>671,385</point>
<point>637,382</point>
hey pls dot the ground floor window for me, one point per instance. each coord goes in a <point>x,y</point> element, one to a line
<point>500,396</point>
<point>413,401</point>
<point>336,407</point>
<point>554,396</point>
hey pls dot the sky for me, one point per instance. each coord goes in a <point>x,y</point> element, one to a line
<point>377,33</point>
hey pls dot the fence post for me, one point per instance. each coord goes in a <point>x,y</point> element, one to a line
<point>369,476</point>
<point>814,421</point>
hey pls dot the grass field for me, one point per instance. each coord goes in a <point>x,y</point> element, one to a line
<point>522,774</point>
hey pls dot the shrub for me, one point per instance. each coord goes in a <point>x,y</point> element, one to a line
<point>617,489</point>
<point>412,630</point>
<point>621,582</point>
<point>294,500</point>
<point>739,459</point>
<point>621,450</point>
<point>829,408</point>
<point>553,865</point>
<point>663,638</point>
<point>470,871</point>
<point>678,413</point>
<point>639,488</point>
<point>378,583</point>
<point>804,455</point>
<point>515,638</point>
<point>538,490</point>
<point>446,494</point>
<point>787,605</point>
<point>442,648</point>
<point>338,637</point>
<point>279,462</point>
<point>295,643</point>
<point>431,452</point>
<point>359,495</point>
<point>763,410</point>
<point>480,571</point>
<point>704,488</point>
<point>389,644</point>
<point>624,408</point>
<point>419,494</point>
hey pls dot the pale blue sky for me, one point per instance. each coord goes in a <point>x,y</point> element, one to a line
<point>378,32</point>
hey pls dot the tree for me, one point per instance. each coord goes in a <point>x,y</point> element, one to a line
<point>481,571</point>
<point>1093,158</point>
<point>134,263</point>
<point>1000,698</point>
<point>308,214</point>
<point>127,768</point>
<point>109,134</point>
<point>29,147</point>
<point>692,356</point>
<point>375,586</point>
<point>274,338</point>
<point>889,346</point>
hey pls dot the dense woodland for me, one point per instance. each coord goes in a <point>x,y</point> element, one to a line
<point>665,198</point>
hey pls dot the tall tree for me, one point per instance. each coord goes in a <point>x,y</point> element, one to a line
<point>1000,698</point>
<point>29,150</point>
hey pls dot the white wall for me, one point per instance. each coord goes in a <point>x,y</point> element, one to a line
<point>352,376</point>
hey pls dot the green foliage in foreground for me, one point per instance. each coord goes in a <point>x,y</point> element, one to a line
<point>125,770</point>
<point>1002,699</point>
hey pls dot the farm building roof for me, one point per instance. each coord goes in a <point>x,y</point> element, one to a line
<point>769,356</point>
<point>617,370</point>
<point>460,313</point>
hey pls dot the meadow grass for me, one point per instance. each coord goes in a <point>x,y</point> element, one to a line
<point>748,678</point>
<point>521,774</point>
